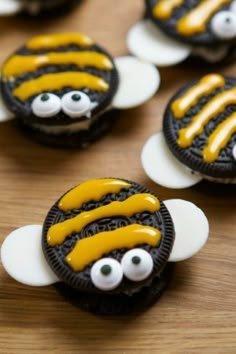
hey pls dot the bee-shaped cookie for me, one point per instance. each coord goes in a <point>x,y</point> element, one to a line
<point>61,86</point>
<point>33,7</point>
<point>173,30</point>
<point>107,245</point>
<point>199,135</point>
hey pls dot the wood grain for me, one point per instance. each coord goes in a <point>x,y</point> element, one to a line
<point>197,314</point>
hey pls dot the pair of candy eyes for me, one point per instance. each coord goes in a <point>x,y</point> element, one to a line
<point>223,24</point>
<point>74,104</point>
<point>107,273</point>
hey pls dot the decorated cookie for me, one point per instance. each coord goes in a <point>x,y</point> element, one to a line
<point>107,245</point>
<point>61,86</point>
<point>173,30</point>
<point>33,7</point>
<point>199,135</point>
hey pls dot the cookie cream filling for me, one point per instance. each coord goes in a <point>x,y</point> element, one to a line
<point>68,128</point>
<point>215,179</point>
<point>220,180</point>
<point>34,7</point>
<point>59,129</point>
<point>211,55</point>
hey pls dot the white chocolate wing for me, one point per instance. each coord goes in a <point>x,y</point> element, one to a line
<point>23,259</point>
<point>139,81</point>
<point>147,42</point>
<point>191,229</point>
<point>162,166</point>
<point>10,7</point>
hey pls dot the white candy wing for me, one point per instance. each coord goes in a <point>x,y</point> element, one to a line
<point>191,229</point>
<point>139,81</point>
<point>10,7</point>
<point>162,166</point>
<point>5,114</point>
<point>147,42</point>
<point>22,257</point>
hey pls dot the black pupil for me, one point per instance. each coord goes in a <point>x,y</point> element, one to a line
<point>76,97</point>
<point>45,97</point>
<point>136,260</point>
<point>228,20</point>
<point>106,269</point>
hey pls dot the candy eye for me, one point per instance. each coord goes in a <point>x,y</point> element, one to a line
<point>106,274</point>
<point>233,6</point>
<point>234,152</point>
<point>76,104</point>
<point>223,25</point>
<point>46,105</point>
<point>137,264</point>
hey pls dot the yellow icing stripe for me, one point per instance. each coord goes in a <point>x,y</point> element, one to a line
<point>164,8</point>
<point>219,139</point>
<point>213,108</point>
<point>57,81</point>
<point>90,249</point>
<point>91,190</point>
<point>135,204</point>
<point>196,20</point>
<point>205,86</point>
<point>57,40</point>
<point>20,64</point>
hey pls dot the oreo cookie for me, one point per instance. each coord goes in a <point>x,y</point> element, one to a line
<point>200,23</point>
<point>118,304</point>
<point>34,7</point>
<point>119,222</point>
<point>60,87</point>
<point>200,130</point>
<point>59,83</point>
<point>208,28</point>
<point>106,245</point>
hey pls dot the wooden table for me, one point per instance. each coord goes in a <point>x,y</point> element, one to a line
<point>197,313</point>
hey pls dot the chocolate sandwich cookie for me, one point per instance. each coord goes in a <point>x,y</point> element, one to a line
<point>59,84</point>
<point>118,303</point>
<point>106,245</point>
<point>200,130</point>
<point>208,28</point>
<point>201,23</point>
<point>60,87</point>
<point>122,221</point>
<point>34,7</point>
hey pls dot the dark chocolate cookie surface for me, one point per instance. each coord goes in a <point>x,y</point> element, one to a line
<point>59,79</point>
<point>120,304</point>
<point>67,138</point>
<point>202,23</point>
<point>37,8</point>
<point>108,231</point>
<point>200,126</point>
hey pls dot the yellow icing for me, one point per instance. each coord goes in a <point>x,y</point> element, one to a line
<point>164,8</point>
<point>205,86</point>
<point>58,81</point>
<point>196,20</point>
<point>20,64</point>
<point>90,249</point>
<point>135,204</point>
<point>57,40</point>
<point>213,108</point>
<point>91,190</point>
<point>219,139</point>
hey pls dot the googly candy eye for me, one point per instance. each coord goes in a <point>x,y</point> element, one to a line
<point>106,274</point>
<point>137,264</point>
<point>223,25</point>
<point>234,152</point>
<point>233,6</point>
<point>46,105</point>
<point>76,104</point>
